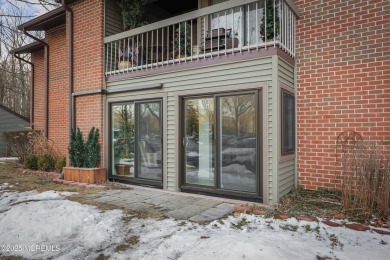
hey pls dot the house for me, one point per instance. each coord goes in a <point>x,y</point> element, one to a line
<point>240,98</point>
<point>10,121</point>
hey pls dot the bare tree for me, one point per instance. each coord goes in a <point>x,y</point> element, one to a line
<point>15,74</point>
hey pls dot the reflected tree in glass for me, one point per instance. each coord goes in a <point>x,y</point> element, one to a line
<point>123,138</point>
<point>237,135</point>
<point>149,141</point>
<point>199,144</point>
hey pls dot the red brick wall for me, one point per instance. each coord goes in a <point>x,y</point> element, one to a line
<point>37,59</point>
<point>343,65</point>
<point>58,88</point>
<point>88,74</point>
<point>88,63</point>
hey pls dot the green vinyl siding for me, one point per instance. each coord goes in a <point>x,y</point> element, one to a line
<point>286,165</point>
<point>9,123</point>
<point>286,177</point>
<point>112,18</point>
<point>218,77</point>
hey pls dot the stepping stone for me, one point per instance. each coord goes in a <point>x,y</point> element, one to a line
<point>214,213</point>
<point>382,232</point>
<point>331,223</point>
<point>280,216</point>
<point>357,227</point>
<point>307,218</point>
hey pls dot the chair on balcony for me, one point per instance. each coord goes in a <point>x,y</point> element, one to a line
<point>219,39</point>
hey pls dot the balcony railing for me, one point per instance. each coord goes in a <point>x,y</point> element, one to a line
<point>221,29</point>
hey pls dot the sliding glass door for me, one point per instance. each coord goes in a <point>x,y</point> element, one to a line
<point>221,143</point>
<point>136,138</point>
<point>199,141</point>
<point>149,141</point>
<point>237,142</point>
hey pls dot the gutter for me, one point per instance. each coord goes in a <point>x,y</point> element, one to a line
<point>32,89</point>
<point>46,79</point>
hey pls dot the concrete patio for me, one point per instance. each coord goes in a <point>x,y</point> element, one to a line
<point>196,208</point>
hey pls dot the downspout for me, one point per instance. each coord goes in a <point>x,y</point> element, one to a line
<point>71,99</point>
<point>32,89</point>
<point>46,78</point>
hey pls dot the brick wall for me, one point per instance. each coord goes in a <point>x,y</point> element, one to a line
<point>37,59</point>
<point>58,88</point>
<point>88,63</point>
<point>88,75</point>
<point>343,65</point>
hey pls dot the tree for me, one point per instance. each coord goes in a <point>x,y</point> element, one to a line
<point>15,74</point>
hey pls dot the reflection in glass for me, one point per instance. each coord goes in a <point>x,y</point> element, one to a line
<point>122,133</point>
<point>199,144</point>
<point>149,139</point>
<point>237,142</point>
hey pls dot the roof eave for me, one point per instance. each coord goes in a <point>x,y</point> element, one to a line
<point>29,48</point>
<point>45,21</point>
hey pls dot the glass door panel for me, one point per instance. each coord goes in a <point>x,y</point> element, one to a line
<point>199,141</point>
<point>122,133</point>
<point>149,141</point>
<point>237,142</point>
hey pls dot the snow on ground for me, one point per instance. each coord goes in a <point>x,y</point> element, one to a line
<point>80,231</point>
<point>4,159</point>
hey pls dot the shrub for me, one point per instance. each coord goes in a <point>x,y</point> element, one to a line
<point>84,154</point>
<point>76,149</point>
<point>60,163</point>
<point>92,149</point>
<point>24,143</point>
<point>18,143</point>
<point>46,162</point>
<point>366,180</point>
<point>31,162</point>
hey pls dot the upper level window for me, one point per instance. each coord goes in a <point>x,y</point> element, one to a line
<point>288,123</point>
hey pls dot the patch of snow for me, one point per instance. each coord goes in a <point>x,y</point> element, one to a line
<point>75,229</point>
<point>4,159</point>
<point>261,238</point>
<point>6,186</point>
<point>83,232</point>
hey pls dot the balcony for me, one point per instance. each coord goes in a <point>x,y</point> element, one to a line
<point>224,29</point>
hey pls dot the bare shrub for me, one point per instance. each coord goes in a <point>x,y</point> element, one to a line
<point>40,145</point>
<point>24,143</point>
<point>18,143</point>
<point>366,179</point>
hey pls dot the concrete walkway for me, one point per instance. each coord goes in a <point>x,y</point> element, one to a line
<point>181,206</point>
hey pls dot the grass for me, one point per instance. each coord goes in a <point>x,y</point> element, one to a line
<point>243,222</point>
<point>27,182</point>
<point>131,241</point>
<point>321,203</point>
<point>289,227</point>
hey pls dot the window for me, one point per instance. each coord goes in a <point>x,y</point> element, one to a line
<point>136,131</point>
<point>220,142</point>
<point>288,123</point>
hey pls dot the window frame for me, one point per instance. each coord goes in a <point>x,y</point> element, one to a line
<point>284,151</point>
<point>135,179</point>
<point>188,187</point>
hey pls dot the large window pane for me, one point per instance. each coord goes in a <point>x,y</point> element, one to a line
<point>237,138</point>
<point>199,144</point>
<point>122,133</point>
<point>288,123</point>
<point>149,140</point>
